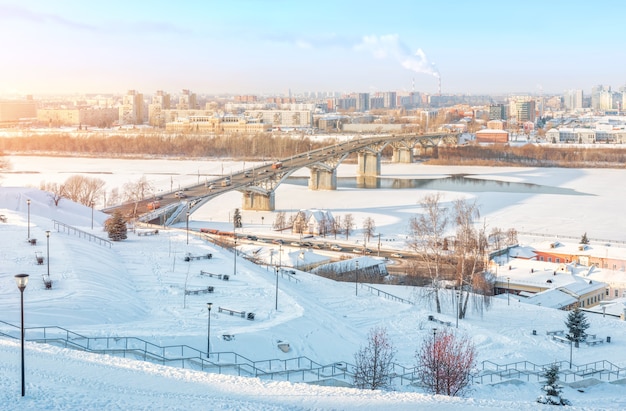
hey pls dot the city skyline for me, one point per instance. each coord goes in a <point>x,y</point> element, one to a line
<point>273,47</point>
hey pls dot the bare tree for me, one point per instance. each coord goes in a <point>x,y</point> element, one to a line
<point>55,191</point>
<point>374,362</point>
<point>369,227</point>
<point>511,236</point>
<point>496,236</point>
<point>138,190</point>
<point>81,189</point>
<point>445,363</point>
<point>348,224</point>
<point>335,226</point>
<point>280,222</point>
<point>427,232</point>
<point>470,252</point>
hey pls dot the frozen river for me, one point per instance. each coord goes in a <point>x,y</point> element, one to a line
<point>551,201</point>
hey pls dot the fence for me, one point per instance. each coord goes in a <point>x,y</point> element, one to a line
<point>62,227</point>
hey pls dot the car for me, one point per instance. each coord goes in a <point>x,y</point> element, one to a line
<point>278,241</point>
<point>154,205</point>
<point>306,244</point>
<point>357,250</point>
<point>295,244</point>
<point>211,186</point>
<point>317,246</point>
<point>247,174</point>
<point>335,247</point>
<point>397,255</point>
<point>180,194</point>
<point>252,237</point>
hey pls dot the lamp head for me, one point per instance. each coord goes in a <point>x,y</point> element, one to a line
<point>28,201</point>
<point>21,280</point>
<point>48,234</point>
<point>209,305</point>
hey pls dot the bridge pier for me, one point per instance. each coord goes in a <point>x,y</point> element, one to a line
<point>402,155</point>
<point>368,164</point>
<point>322,179</point>
<point>258,202</point>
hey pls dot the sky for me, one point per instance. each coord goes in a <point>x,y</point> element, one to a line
<point>277,46</point>
<point>136,288</point>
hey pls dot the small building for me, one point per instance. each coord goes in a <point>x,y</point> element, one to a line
<point>314,222</point>
<point>492,136</point>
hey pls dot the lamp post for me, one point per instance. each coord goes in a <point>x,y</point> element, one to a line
<point>508,291</point>
<point>92,204</point>
<point>22,280</point>
<point>28,204</point>
<point>208,340</point>
<point>458,306</point>
<point>48,251</point>
<point>356,281</point>
<point>187,227</point>
<point>276,305</point>
<point>436,366</point>
<point>570,354</point>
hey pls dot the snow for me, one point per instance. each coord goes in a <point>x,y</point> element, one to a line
<point>136,288</point>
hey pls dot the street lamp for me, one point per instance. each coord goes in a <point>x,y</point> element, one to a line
<point>458,306</point>
<point>276,307</point>
<point>48,251</point>
<point>208,340</point>
<point>28,204</point>
<point>187,227</point>
<point>356,281</point>
<point>22,280</point>
<point>508,291</point>
<point>436,366</point>
<point>92,204</point>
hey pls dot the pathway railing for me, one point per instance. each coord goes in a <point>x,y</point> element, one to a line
<point>301,369</point>
<point>62,227</point>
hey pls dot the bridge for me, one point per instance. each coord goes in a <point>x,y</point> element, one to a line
<point>258,184</point>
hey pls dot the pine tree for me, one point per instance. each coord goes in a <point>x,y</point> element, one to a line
<point>577,325</point>
<point>584,239</point>
<point>116,227</point>
<point>237,218</point>
<point>552,388</point>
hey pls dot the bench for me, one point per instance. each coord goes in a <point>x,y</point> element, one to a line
<point>432,318</point>
<point>39,258</point>
<point>147,232</point>
<point>231,312</point>
<point>224,277</point>
<point>556,332</point>
<point>593,342</point>
<point>32,241</point>
<point>207,290</point>
<point>560,339</point>
<point>228,337</point>
<point>190,257</point>
<point>3,218</point>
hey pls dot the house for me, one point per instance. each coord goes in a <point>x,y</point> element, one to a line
<point>314,222</point>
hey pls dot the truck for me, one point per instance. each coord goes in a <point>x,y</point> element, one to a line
<point>153,205</point>
<point>277,165</point>
<point>226,182</point>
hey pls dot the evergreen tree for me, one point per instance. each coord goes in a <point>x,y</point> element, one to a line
<point>552,388</point>
<point>584,239</point>
<point>237,219</point>
<point>577,325</point>
<point>116,227</point>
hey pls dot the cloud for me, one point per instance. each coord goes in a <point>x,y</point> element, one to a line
<point>390,46</point>
<point>8,12</point>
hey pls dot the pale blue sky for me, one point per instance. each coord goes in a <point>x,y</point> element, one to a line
<point>271,46</point>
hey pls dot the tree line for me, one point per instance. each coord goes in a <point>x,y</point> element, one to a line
<point>256,146</point>
<point>530,155</point>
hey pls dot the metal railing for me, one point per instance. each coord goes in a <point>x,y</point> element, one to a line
<point>62,227</point>
<point>301,369</point>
